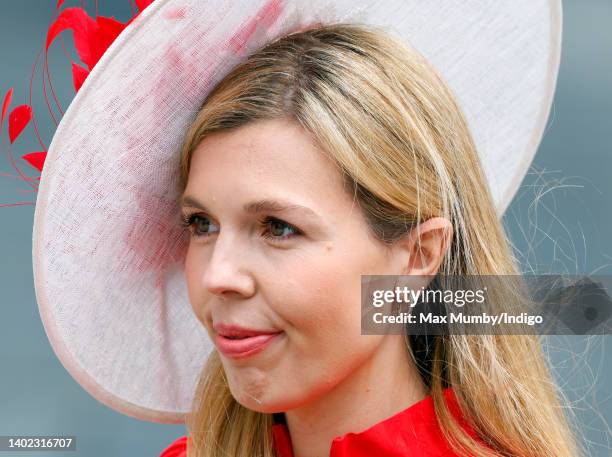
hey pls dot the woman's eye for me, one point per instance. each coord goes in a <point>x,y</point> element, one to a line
<point>279,230</point>
<point>276,229</point>
<point>197,224</point>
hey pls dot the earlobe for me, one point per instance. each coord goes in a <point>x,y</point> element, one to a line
<point>427,244</point>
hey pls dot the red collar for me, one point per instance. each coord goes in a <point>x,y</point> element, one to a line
<point>411,432</point>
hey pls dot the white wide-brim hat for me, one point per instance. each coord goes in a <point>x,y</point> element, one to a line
<point>107,247</point>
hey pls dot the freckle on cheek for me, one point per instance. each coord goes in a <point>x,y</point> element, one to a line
<point>329,246</point>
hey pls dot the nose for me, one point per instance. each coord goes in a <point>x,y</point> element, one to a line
<point>226,271</point>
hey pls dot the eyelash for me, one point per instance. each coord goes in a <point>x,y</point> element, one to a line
<point>188,219</point>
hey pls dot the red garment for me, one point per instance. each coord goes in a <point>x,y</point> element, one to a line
<point>410,433</point>
<point>177,449</point>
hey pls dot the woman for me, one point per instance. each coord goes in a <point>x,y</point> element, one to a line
<point>333,151</point>
<point>360,131</point>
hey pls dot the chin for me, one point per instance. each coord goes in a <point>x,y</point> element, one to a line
<point>260,405</point>
<point>266,402</point>
<point>251,394</point>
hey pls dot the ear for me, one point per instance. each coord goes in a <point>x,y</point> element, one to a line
<point>426,245</point>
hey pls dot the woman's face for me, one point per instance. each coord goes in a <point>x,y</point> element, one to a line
<point>278,246</point>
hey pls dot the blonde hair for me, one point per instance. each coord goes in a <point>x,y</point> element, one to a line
<point>390,122</point>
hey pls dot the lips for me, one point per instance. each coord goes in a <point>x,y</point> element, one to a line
<point>240,342</point>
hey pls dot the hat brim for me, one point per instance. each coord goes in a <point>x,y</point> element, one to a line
<point>107,249</point>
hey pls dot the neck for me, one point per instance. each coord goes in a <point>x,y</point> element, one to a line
<point>383,386</point>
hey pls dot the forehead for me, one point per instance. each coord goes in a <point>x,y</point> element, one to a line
<point>272,155</point>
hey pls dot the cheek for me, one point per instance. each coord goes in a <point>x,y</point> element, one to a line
<point>327,305</point>
<point>321,296</point>
<point>321,306</point>
<point>330,320</point>
<point>193,275</point>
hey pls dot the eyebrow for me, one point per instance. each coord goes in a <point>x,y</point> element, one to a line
<point>256,207</point>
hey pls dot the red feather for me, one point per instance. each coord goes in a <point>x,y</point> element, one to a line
<point>5,105</point>
<point>91,38</point>
<point>18,119</point>
<point>7,101</point>
<point>78,76</point>
<point>84,30</point>
<point>36,159</point>
<point>108,30</point>
<point>142,4</point>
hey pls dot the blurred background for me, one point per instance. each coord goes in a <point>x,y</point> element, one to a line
<point>560,221</point>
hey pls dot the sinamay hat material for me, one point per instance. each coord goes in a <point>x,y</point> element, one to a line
<point>107,249</point>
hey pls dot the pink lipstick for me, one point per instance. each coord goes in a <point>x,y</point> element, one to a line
<point>239,342</point>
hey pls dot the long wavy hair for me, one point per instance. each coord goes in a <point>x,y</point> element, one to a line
<point>388,119</point>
